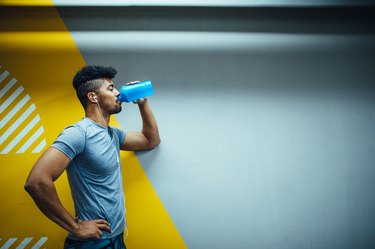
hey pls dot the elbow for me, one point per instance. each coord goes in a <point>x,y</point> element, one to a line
<point>30,186</point>
<point>155,143</point>
<point>33,186</point>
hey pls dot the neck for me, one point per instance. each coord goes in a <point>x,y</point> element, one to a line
<point>95,114</point>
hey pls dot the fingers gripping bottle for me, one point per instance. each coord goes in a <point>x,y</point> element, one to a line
<point>136,91</point>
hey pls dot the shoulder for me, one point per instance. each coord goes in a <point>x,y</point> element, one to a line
<point>81,126</point>
<point>77,129</point>
<point>72,139</point>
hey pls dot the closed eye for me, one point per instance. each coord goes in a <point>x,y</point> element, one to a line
<point>111,87</point>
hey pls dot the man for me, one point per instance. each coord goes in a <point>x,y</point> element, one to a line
<point>89,152</point>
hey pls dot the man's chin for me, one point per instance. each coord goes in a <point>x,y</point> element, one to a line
<point>117,109</point>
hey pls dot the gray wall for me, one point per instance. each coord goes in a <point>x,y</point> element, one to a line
<point>267,118</point>
<point>227,3</point>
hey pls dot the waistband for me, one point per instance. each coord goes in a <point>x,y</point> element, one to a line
<point>113,242</point>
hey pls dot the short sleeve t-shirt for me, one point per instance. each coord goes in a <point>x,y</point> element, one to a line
<point>94,173</point>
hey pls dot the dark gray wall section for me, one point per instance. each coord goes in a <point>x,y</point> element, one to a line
<point>266,116</point>
<point>212,3</point>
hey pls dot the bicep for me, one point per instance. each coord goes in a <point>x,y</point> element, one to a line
<point>50,165</point>
<point>135,141</point>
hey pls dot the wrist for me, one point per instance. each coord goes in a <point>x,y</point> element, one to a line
<point>75,226</point>
<point>143,102</point>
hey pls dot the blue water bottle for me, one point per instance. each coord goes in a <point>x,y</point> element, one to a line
<point>136,91</point>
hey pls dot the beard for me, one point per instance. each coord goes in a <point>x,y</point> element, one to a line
<point>116,110</point>
<point>110,109</point>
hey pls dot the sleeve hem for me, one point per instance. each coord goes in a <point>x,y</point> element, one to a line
<point>63,151</point>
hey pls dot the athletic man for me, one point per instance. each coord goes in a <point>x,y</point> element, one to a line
<point>89,151</point>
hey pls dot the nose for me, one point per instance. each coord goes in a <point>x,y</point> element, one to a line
<point>117,93</point>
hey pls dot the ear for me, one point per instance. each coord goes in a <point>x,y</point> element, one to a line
<point>92,97</point>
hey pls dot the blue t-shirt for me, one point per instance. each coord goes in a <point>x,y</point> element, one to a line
<point>94,173</point>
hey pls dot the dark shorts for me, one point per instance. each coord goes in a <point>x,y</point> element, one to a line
<point>112,243</point>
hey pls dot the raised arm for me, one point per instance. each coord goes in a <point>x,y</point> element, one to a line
<point>149,137</point>
<point>40,186</point>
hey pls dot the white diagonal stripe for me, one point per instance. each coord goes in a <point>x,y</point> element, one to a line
<point>17,123</point>
<point>31,140</point>
<point>40,243</point>
<point>8,243</point>
<point>3,76</point>
<point>14,110</point>
<point>11,99</point>
<point>7,87</point>
<point>40,146</point>
<point>23,133</point>
<point>24,243</point>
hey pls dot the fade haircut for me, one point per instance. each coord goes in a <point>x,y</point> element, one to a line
<point>89,79</point>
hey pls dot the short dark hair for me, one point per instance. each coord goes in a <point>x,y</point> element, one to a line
<point>89,79</point>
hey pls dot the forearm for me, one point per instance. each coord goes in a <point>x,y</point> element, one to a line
<point>45,197</point>
<point>149,125</point>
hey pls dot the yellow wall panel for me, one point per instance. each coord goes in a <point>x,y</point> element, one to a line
<point>26,2</point>
<point>43,63</point>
